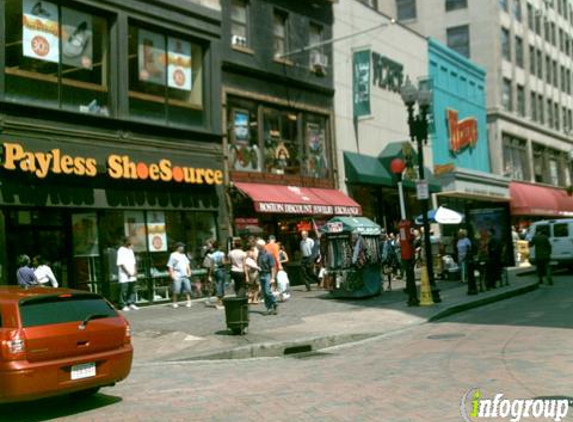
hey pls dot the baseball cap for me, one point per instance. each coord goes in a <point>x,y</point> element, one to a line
<point>179,245</point>
<point>260,242</point>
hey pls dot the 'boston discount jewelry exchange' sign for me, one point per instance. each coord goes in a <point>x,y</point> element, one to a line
<point>41,164</point>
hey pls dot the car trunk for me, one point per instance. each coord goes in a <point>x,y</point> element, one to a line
<point>67,326</point>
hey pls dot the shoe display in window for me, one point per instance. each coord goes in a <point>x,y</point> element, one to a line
<point>38,10</point>
<point>76,43</point>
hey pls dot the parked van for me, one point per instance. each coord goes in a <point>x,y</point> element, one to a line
<point>561,239</point>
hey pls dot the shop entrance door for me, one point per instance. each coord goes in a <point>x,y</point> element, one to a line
<point>34,233</point>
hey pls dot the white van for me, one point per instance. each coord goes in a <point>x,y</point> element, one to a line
<point>561,239</point>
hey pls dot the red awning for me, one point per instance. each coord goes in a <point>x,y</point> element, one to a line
<point>296,200</point>
<point>530,199</point>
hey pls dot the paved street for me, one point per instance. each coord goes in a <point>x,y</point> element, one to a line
<point>519,347</point>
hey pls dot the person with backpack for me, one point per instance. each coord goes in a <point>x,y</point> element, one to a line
<point>218,272</point>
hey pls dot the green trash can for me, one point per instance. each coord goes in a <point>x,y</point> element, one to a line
<point>237,313</point>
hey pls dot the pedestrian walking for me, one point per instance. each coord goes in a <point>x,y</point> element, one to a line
<point>267,275</point>
<point>179,268</point>
<point>542,253</point>
<point>464,248</point>
<point>127,275</point>
<point>43,272</point>
<point>274,249</point>
<point>218,272</point>
<point>253,285</point>
<point>307,263</point>
<point>237,258</point>
<point>25,273</point>
<point>494,257</point>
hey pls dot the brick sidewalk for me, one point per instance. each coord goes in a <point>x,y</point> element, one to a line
<point>308,320</point>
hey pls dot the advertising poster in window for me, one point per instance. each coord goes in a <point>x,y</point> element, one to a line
<point>179,64</point>
<point>84,229</point>
<point>151,57</point>
<point>244,157</point>
<point>156,233</point>
<point>134,227</point>
<point>77,32</point>
<point>485,223</point>
<point>40,30</point>
<point>317,166</point>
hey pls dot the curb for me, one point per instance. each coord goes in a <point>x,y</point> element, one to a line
<point>313,344</point>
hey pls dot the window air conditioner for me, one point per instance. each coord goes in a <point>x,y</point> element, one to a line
<point>318,62</point>
<point>238,40</point>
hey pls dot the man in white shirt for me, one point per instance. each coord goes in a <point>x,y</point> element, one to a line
<point>180,271</point>
<point>306,249</point>
<point>127,275</point>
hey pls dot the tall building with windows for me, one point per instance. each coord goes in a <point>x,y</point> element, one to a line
<point>278,125</point>
<point>110,127</point>
<point>526,48</point>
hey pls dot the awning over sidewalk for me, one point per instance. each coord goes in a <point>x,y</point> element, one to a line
<point>298,200</point>
<point>365,169</point>
<point>530,199</point>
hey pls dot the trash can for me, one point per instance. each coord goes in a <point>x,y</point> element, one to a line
<point>237,313</point>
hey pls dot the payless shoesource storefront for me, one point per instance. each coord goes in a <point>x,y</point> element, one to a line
<point>73,203</point>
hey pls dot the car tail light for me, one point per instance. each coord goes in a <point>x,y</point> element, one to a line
<point>14,345</point>
<point>127,335</point>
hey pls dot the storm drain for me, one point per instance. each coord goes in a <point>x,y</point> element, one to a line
<point>446,336</point>
<point>303,348</point>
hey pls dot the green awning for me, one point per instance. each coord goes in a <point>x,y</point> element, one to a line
<point>366,169</point>
<point>361,225</point>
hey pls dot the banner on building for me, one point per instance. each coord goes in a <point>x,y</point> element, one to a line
<point>151,57</point>
<point>361,83</point>
<point>179,64</point>
<point>77,31</point>
<point>156,232</point>
<point>40,31</point>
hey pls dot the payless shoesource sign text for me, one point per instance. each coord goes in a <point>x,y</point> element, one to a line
<point>119,166</point>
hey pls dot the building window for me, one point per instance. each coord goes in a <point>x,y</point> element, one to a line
<point>57,57</point>
<point>539,64</point>
<point>517,10</point>
<point>459,39</point>
<point>503,5</point>
<point>565,121</point>
<point>506,95</point>
<point>538,23</point>
<point>532,70</point>
<point>515,158</point>
<point>541,109</point>
<point>553,34</point>
<point>556,116</point>
<point>538,163</point>
<point>563,79</point>
<point>280,33</point>
<point>315,38</point>
<point>530,17</point>
<point>555,75</point>
<point>505,44</point>
<point>548,69</point>
<point>550,113</point>
<point>406,9</point>
<point>533,105</point>
<point>239,23</point>
<point>519,52</point>
<point>165,78</point>
<point>456,4</point>
<point>521,100</point>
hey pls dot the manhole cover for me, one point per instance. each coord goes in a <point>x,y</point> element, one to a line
<point>445,336</point>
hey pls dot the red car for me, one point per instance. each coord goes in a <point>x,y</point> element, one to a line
<point>59,341</point>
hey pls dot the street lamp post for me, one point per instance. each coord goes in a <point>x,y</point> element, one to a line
<point>406,248</point>
<point>418,125</point>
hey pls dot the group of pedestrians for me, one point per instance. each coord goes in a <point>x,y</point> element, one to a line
<point>35,272</point>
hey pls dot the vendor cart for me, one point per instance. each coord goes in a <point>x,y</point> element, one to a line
<point>352,257</point>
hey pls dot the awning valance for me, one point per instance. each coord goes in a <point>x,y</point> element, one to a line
<point>298,200</point>
<point>530,199</point>
<point>366,169</point>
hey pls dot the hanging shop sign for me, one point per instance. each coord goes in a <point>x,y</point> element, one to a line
<point>41,164</point>
<point>463,133</point>
<point>361,83</point>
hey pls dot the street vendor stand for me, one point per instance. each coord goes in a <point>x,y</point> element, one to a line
<point>348,279</point>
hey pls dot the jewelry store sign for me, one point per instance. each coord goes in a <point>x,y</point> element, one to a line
<point>118,166</point>
<point>308,209</point>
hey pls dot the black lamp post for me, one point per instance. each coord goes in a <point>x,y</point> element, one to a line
<point>418,125</point>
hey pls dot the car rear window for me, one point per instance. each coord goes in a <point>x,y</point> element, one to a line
<point>46,310</point>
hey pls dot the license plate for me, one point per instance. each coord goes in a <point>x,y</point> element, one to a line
<point>85,370</point>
